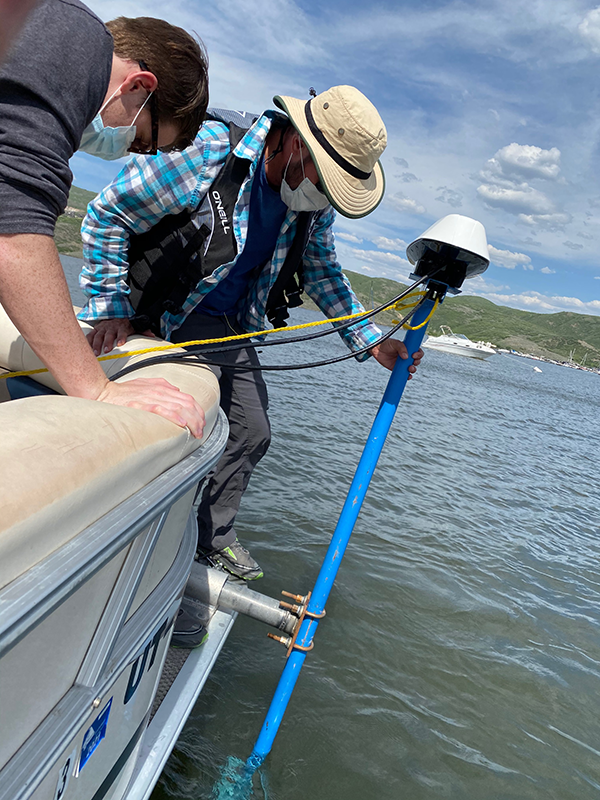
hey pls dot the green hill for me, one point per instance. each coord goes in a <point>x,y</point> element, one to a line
<point>79,198</point>
<point>550,335</point>
<point>67,234</point>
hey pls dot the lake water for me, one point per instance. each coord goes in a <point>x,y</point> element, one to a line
<point>460,656</point>
<point>461,652</point>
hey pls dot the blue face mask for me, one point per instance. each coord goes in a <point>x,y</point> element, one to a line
<point>105,142</point>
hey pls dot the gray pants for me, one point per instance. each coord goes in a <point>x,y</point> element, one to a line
<point>245,403</point>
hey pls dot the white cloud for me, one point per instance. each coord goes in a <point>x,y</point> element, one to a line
<point>505,182</point>
<point>385,272</point>
<point>348,237</point>
<point>549,222</point>
<point>548,271</point>
<point>526,160</point>
<point>589,30</point>
<point>507,259</point>
<point>408,177</point>
<point>384,243</point>
<point>378,257</point>
<point>402,203</point>
<point>378,263</point>
<point>544,304</point>
<point>450,196</point>
<point>482,287</point>
<point>517,200</point>
<point>537,54</point>
<point>573,245</point>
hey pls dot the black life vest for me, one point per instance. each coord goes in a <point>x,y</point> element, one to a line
<point>167,262</point>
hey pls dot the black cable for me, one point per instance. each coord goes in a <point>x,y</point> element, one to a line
<point>201,348</point>
<point>192,358</point>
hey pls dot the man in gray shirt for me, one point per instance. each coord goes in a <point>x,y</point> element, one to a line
<point>13,14</point>
<point>69,81</point>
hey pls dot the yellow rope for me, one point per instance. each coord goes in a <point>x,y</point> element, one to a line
<point>169,346</point>
<point>408,302</point>
<point>408,327</point>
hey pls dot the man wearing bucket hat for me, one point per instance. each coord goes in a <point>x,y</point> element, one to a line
<point>345,136</point>
<point>322,156</point>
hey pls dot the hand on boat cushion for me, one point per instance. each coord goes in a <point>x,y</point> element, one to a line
<point>387,352</point>
<point>110,332</point>
<point>159,397</point>
<point>149,394</point>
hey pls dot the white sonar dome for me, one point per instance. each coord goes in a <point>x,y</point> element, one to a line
<point>462,232</point>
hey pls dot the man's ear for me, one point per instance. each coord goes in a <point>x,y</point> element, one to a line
<point>139,79</point>
<point>296,142</point>
<point>301,146</point>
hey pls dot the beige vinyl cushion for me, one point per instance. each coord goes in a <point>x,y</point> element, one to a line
<point>16,355</point>
<point>66,461</point>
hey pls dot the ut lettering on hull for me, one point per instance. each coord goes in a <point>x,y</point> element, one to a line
<point>142,665</point>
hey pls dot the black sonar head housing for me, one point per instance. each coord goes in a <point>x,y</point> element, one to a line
<point>454,245</point>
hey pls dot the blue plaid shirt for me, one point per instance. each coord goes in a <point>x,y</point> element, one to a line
<point>150,187</point>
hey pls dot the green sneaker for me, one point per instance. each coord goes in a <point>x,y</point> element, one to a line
<point>189,632</point>
<point>234,559</point>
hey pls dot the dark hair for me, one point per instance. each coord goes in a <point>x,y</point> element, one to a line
<point>180,64</point>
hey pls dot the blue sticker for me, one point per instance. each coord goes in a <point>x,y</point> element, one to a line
<point>94,735</point>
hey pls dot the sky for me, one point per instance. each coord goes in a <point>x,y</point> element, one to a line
<point>492,110</point>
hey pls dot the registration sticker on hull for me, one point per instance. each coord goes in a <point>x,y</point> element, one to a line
<point>94,735</point>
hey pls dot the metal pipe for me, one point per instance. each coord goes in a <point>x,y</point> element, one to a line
<point>205,584</point>
<point>340,538</point>
<point>213,588</point>
<point>258,606</point>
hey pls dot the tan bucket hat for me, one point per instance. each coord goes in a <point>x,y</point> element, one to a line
<point>345,136</point>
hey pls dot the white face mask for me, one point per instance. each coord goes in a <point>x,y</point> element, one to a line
<point>109,143</point>
<point>306,196</point>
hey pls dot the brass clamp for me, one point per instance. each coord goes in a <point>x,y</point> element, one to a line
<point>299,610</point>
<point>286,640</point>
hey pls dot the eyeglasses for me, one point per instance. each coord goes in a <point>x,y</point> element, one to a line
<point>153,103</point>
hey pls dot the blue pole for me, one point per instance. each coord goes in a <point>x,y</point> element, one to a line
<point>340,538</point>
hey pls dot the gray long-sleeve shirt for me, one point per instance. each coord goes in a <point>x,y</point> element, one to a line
<point>51,87</point>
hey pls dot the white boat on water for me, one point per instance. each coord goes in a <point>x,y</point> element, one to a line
<point>97,545</point>
<point>458,344</point>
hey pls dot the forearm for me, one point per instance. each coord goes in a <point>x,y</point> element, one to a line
<point>103,278</point>
<point>335,298</point>
<point>112,305</point>
<point>34,293</point>
<point>327,285</point>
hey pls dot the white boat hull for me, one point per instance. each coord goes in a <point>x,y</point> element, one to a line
<point>459,350</point>
<point>132,566</point>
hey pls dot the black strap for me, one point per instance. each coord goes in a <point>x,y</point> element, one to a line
<point>160,269</point>
<point>288,287</point>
